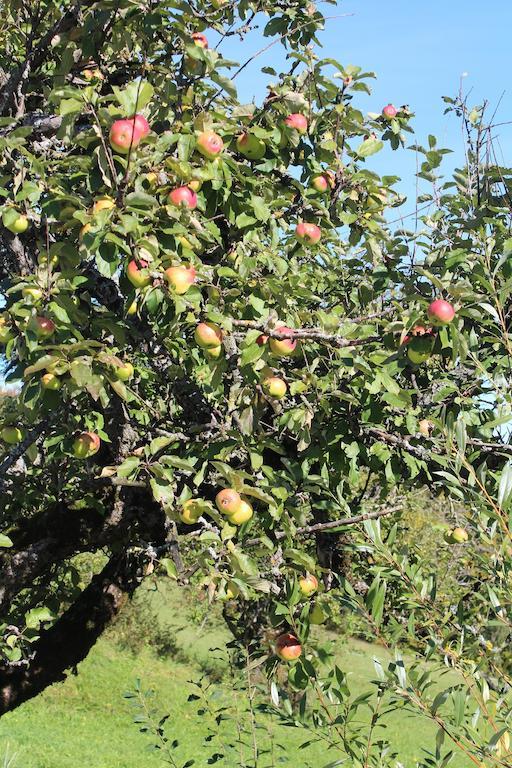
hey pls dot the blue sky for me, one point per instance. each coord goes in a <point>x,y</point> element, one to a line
<point>419,51</point>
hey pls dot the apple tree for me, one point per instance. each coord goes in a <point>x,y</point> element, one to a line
<point>233,365</point>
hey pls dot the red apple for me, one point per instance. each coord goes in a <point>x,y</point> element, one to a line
<point>261,340</point>
<point>142,127</point>
<point>274,387</point>
<point>308,233</point>
<point>183,197</point>
<point>124,135</point>
<point>209,144</point>
<point>86,444</point>
<point>200,40</point>
<point>283,347</point>
<point>441,312</point>
<point>43,327</point>
<point>288,647</point>
<point>180,278</point>
<point>308,584</point>
<point>389,112</point>
<point>297,121</point>
<point>250,146</point>
<point>228,501</point>
<point>208,335</point>
<point>138,277</point>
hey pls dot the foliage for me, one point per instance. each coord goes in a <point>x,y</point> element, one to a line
<point>132,419</point>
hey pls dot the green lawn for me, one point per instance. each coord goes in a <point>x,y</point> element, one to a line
<point>86,722</point>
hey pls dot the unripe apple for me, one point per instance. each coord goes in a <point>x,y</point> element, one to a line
<point>139,278</point>
<point>124,135</point>
<point>132,309</point>
<point>228,501</point>
<point>200,40</point>
<point>191,511</point>
<point>142,127</point>
<point>321,182</point>
<point>282,347</point>
<point>19,225</point>
<point>214,352</point>
<point>183,197</point>
<point>180,278</point>
<point>459,535</point>
<point>419,349</point>
<point>232,591</point>
<point>441,312</point>
<point>34,294</point>
<point>298,122</point>
<point>51,382</point>
<point>12,435</point>
<point>274,387</point>
<point>250,146</point>
<point>308,233</point>
<point>208,335</point>
<point>308,584</point>
<point>43,327</point>
<point>317,615</point>
<point>242,515</point>
<point>124,372</point>
<point>209,144</point>
<point>288,647</point>
<point>86,445</point>
<point>389,111</point>
<point>103,204</point>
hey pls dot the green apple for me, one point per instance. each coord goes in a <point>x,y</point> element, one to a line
<point>12,435</point>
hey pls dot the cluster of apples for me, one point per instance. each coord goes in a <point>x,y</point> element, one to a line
<point>228,501</point>
<point>421,340</point>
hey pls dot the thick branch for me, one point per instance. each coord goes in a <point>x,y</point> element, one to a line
<point>316,334</point>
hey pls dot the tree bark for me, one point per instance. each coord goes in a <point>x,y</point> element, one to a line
<point>70,639</point>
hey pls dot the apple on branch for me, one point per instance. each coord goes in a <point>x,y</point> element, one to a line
<point>283,347</point>
<point>288,647</point>
<point>307,233</point>
<point>86,444</point>
<point>51,382</point>
<point>18,225</point>
<point>441,312</point>
<point>43,327</point>
<point>250,146</point>
<point>12,435</point>
<point>308,584</point>
<point>127,133</point>
<point>389,112</point>
<point>242,514</point>
<point>183,197</point>
<point>274,387</point>
<point>180,278</point>
<point>228,501</point>
<point>322,182</point>
<point>138,276</point>
<point>208,335</point>
<point>209,144</point>
<point>297,122</point>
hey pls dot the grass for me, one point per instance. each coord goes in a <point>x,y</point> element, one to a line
<point>86,722</point>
